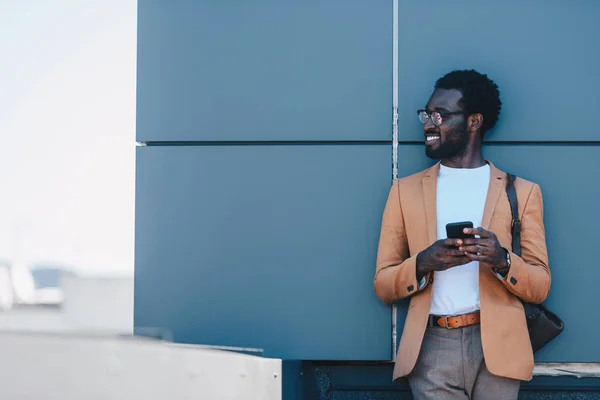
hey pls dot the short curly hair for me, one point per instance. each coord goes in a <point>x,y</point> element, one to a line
<point>480,95</point>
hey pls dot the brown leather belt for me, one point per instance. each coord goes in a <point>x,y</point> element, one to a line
<point>454,321</point>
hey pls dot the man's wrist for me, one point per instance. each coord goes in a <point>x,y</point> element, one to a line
<point>504,265</point>
<point>421,270</point>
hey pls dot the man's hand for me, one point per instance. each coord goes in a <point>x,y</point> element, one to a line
<point>485,249</point>
<point>440,256</point>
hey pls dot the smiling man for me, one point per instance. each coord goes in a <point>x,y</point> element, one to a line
<point>465,335</point>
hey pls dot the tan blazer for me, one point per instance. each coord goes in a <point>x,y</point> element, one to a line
<point>409,226</point>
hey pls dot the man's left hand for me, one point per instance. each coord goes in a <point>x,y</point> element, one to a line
<point>485,249</point>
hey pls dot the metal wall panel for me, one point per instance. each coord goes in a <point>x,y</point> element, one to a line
<point>268,247</point>
<point>544,55</point>
<point>264,70</point>
<point>565,175</point>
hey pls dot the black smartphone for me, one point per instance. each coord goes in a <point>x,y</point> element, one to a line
<point>454,230</point>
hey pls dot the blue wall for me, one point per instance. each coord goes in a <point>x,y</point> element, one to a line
<point>263,246</point>
<point>259,196</point>
<point>545,58</point>
<point>264,70</point>
<point>268,161</point>
<point>544,55</point>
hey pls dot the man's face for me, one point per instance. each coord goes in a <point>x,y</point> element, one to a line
<point>450,139</point>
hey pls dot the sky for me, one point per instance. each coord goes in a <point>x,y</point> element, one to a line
<point>67,133</point>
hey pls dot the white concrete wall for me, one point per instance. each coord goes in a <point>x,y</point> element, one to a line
<point>98,304</point>
<point>75,367</point>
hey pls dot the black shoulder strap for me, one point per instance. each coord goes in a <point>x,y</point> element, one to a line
<point>514,209</point>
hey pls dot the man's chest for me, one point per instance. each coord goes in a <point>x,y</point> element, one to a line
<point>457,202</point>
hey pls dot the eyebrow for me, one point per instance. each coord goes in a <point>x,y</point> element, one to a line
<point>439,109</point>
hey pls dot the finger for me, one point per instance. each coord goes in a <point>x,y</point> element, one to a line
<point>452,242</point>
<point>471,241</point>
<point>450,253</point>
<point>479,242</point>
<point>455,252</point>
<point>483,258</point>
<point>479,232</point>
<point>475,249</point>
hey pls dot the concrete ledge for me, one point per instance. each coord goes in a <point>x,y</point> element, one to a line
<point>77,366</point>
<point>577,370</point>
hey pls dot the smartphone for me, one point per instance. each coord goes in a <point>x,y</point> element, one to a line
<point>454,230</point>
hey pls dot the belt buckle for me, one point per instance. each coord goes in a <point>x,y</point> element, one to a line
<point>447,324</point>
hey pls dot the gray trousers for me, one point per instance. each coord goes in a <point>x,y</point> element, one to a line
<point>451,366</point>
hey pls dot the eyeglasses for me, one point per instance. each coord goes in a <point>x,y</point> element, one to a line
<point>436,116</point>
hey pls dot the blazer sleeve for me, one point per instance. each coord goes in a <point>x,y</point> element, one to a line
<point>529,275</point>
<point>395,271</point>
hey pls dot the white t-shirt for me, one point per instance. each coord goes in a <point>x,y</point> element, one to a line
<point>461,196</point>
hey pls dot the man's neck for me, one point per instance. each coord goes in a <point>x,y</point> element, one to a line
<point>467,161</point>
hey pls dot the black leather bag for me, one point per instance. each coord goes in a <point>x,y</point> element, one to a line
<point>542,323</point>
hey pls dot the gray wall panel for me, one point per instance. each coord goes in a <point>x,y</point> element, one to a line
<point>266,70</point>
<point>544,55</point>
<point>565,175</point>
<point>271,247</point>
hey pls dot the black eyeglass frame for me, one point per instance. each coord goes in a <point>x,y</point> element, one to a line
<point>424,115</point>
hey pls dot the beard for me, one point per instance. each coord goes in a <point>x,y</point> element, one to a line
<point>454,145</point>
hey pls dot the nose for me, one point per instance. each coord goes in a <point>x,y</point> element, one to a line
<point>428,125</point>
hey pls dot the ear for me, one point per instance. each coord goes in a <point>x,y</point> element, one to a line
<point>475,122</point>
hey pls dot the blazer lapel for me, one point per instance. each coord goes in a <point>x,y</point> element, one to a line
<point>429,199</point>
<point>497,181</point>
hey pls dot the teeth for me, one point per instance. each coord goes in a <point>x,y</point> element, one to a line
<point>430,138</point>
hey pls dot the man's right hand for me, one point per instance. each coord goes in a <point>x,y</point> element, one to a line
<point>440,256</point>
